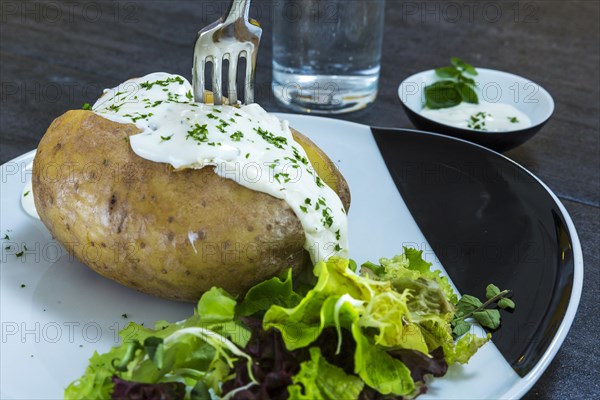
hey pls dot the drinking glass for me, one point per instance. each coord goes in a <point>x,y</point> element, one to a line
<point>327,54</point>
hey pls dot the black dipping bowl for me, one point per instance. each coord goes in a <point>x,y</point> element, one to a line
<point>493,87</point>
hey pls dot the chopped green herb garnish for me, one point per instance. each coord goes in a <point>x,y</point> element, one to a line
<point>286,177</point>
<point>300,158</point>
<point>514,120</point>
<point>23,285</point>
<point>114,107</point>
<point>20,254</point>
<point>319,182</point>
<point>165,138</point>
<point>124,315</point>
<point>189,95</point>
<point>139,116</point>
<point>337,235</point>
<point>212,116</point>
<point>307,201</point>
<point>247,155</point>
<point>155,104</point>
<point>327,218</point>
<point>6,237</point>
<point>277,141</point>
<point>237,115</point>
<point>477,121</point>
<point>86,106</point>
<point>304,209</point>
<point>26,193</point>
<point>165,82</point>
<point>198,133</point>
<point>223,124</point>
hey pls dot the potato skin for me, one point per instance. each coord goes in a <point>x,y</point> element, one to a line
<point>174,234</point>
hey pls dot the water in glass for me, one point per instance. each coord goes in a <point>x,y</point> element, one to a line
<point>327,53</point>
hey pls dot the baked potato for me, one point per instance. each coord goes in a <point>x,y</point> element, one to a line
<point>165,232</point>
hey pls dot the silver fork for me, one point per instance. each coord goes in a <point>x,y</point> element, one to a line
<point>229,38</point>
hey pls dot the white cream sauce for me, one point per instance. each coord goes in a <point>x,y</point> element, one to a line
<point>245,144</point>
<point>27,201</point>
<point>27,196</point>
<point>495,117</point>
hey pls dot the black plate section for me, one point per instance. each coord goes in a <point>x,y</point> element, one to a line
<point>488,221</point>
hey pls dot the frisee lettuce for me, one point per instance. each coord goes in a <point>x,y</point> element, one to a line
<point>405,307</point>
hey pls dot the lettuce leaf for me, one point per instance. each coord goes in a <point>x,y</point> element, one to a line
<point>318,379</point>
<point>302,324</point>
<point>274,291</point>
<point>200,350</point>
<point>216,306</point>
<point>378,369</point>
<point>96,383</point>
<point>411,266</point>
<point>465,348</point>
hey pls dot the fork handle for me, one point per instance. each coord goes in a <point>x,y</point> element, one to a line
<point>238,9</point>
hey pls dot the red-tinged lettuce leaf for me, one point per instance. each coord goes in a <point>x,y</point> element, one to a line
<point>369,393</point>
<point>420,364</point>
<point>273,365</point>
<point>127,390</point>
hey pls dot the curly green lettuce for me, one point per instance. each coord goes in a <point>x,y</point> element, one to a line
<point>346,335</point>
<point>407,306</point>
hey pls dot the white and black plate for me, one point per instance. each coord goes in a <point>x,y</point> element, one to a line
<point>476,214</point>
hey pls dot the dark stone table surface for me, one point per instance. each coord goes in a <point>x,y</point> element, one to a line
<point>56,55</point>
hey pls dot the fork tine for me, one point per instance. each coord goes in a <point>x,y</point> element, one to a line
<point>198,79</point>
<point>249,80</point>
<point>216,79</point>
<point>226,37</point>
<point>233,66</point>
